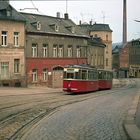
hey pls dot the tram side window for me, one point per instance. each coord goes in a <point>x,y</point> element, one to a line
<point>108,75</point>
<point>77,75</point>
<point>100,75</point>
<point>84,74</point>
<point>90,75</point>
<point>95,75</point>
<point>104,75</point>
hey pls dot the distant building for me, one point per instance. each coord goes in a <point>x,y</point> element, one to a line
<point>12,45</point>
<point>116,60</point>
<point>134,58</point>
<point>105,33</point>
<point>126,59</point>
<point>51,43</point>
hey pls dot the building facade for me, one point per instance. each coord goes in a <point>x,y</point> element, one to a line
<point>12,45</point>
<point>95,52</point>
<point>105,33</point>
<point>126,59</point>
<point>134,58</point>
<point>51,43</point>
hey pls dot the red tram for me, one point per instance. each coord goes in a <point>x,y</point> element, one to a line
<point>105,79</point>
<point>84,78</point>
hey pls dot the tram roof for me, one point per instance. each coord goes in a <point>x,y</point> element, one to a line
<point>79,66</point>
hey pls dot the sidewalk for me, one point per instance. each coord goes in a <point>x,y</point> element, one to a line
<point>45,90</point>
<point>138,115</point>
<point>30,90</point>
<point>132,120</point>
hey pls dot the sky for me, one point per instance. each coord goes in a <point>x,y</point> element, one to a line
<point>99,11</point>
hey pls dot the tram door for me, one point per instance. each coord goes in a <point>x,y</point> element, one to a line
<point>57,77</point>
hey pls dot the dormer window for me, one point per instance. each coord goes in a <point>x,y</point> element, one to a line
<point>38,25</point>
<point>71,29</point>
<point>55,27</point>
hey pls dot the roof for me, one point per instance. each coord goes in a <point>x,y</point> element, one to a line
<point>48,22</point>
<point>96,27</point>
<point>101,27</point>
<point>96,41</point>
<point>4,7</point>
<point>117,48</point>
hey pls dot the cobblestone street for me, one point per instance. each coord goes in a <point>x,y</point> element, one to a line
<point>50,114</point>
<point>98,118</point>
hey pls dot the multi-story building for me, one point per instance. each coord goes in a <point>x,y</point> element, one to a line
<point>51,43</point>
<point>12,45</point>
<point>134,59</point>
<point>126,59</point>
<point>105,33</point>
<point>95,52</point>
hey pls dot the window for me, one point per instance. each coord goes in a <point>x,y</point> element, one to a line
<point>38,25</point>
<point>4,69</point>
<point>8,13</point>
<point>73,29</point>
<point>84,74</point>
<point>106,37</point>
<point>60,51</point>
<point>16,36</point>
<point>85,51</point>
<point>56,28</point>
<point>45,74</point>
<point>106,61</point>
<point>45,50</point>
<point>34,75</point>
<point>69,51</point>
<point>4,38</point>
<point>16,65</point>
<point>78,51</point>
<point>34,50</point>
<point>54,50</point>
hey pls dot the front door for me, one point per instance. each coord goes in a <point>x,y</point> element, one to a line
<point>57,77</point>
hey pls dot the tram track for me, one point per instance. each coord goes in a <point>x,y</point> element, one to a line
<point>22,120</point>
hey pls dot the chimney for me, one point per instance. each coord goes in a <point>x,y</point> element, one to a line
<point>124,22</point>
<point>66,16</point>
<point>58,14</point>
<point>90,22</point>
<point>80,22</point>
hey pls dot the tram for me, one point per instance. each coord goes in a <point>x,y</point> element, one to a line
<point>104,79</point>
<point>85,78</point>
<point>80,78</point>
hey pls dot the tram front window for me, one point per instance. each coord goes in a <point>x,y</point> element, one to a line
<point>70,75</point>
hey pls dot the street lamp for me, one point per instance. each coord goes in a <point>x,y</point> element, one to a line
<point>137,20</point>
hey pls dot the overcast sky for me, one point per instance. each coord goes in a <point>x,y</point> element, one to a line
<point>100,11</point>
